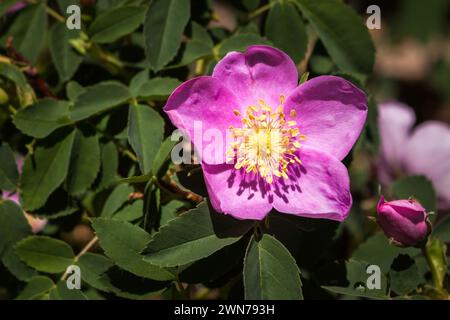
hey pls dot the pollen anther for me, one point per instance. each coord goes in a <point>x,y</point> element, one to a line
<point>266,144</point>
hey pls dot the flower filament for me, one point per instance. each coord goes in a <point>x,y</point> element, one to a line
<point>267,142</point>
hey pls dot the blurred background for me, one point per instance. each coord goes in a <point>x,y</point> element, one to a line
<point>413,54</point>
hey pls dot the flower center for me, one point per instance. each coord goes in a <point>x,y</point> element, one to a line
<point>267,142</point>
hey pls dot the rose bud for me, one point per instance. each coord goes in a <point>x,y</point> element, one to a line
<point>405,222</point>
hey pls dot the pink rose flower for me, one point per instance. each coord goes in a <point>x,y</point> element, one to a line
<point>405,222</point>
<point>288,140</point>
<point>422,151</point>
<point>19,5</point>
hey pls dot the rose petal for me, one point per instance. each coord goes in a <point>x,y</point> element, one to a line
<point>37,225</point>
<point>427,152</point>
<point>262,72</point>
<point>14,197</point>
<point>319,188</point>
<point>244,196</point>
<point>403,221</point>
<point>395,121</point>
<point>204,102</point>
<point>330,111</point>
<point>16,7</point>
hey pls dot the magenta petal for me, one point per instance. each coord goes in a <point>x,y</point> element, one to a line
<point>319,188</point>
<point>262,72</point>
<point>19,5</point>
<point>19,162</point>
<point>13,197</point>
<point>331,112</point>
<point>427,152</point>
<point>403,221</point>
<point>232,192</point>
<point>203,102</point>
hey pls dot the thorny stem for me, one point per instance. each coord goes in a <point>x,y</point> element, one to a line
<point>30,146</point>
<point>12,109</point>
<point>188,195</point>
<point>34,79</point>
<point>155,180</point>
<point>54,14</point>
<point>129,154</point>
<point>257,231</point>
<point>312,40</point>
<point>260,10</point>
<point>86,248</point>
<point>107,57</point>
<point>200,67</point>
<point>172,188</point>
<point>433,270</point>
<point>438,279</point>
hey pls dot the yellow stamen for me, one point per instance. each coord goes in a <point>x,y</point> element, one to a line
<point>254,108</point>
<point>264,145</point>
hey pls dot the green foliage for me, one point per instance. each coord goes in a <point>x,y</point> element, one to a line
<point>116,23</point>
<point>131,212</point>
<point>162,154</point>
<point>145,134</point>
<point>240,42</point>
<point>99,98</point>
<point>156,88</point>
<point>13,74</point>
<point>417,187</point>
<point>92,266</point>
<point>84,163</point>
<point>13,228</point>
<point>36,289</point>
<point>123,243</point>
<point>192,236</point>
<point>163,26</point>
<point>8,170</point>
<point>342,33</point>
<point>435,253</point>
<point>442,229</point>
<point>357,278</point>
<point>200,45</point>
<point>116,199</point>
<point>45,254</point>
<point>43,117</point>
<point>29,31</point>
<point>65,59</point>
<point>377,250</point>
<point>44,171</point>
<point>270,272</point>
<point>285,28</point>
<point>13,225</point>
<point>404,276</point>
<point>61,292</point>
<point>109,165</point>
<point>434,12</point>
